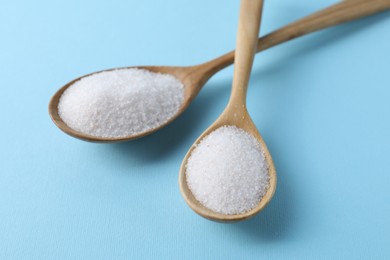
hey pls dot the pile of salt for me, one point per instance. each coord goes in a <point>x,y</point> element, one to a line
<point>121,102</point>
<point>227,171</point>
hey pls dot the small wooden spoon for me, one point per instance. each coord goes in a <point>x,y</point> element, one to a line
<point>194,77</point>
<point>235,113</point>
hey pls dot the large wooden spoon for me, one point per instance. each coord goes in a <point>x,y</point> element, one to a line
<point>195,77</point>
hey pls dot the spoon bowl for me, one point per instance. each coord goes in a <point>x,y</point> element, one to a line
<point>192,78</point>
<point>241,119</point>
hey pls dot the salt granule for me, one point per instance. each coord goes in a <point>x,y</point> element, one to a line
<point>121,102</point>
<point>227,171</point>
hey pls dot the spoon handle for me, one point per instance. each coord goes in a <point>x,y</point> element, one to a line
<point>246,44</point>
<point>339,13</point>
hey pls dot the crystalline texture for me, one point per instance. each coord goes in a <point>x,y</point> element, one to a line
<point>227,171</point>
<point>121,102</point>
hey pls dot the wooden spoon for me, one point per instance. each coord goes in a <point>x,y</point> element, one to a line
<point>194,77</point>
<point>236,114</point>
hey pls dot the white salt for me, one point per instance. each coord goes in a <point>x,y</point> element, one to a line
<point>121,102</point>
<point>227,171</point>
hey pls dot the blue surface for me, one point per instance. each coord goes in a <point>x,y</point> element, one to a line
<point>320,102</point>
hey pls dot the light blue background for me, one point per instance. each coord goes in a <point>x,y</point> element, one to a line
<point>320,102</point>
